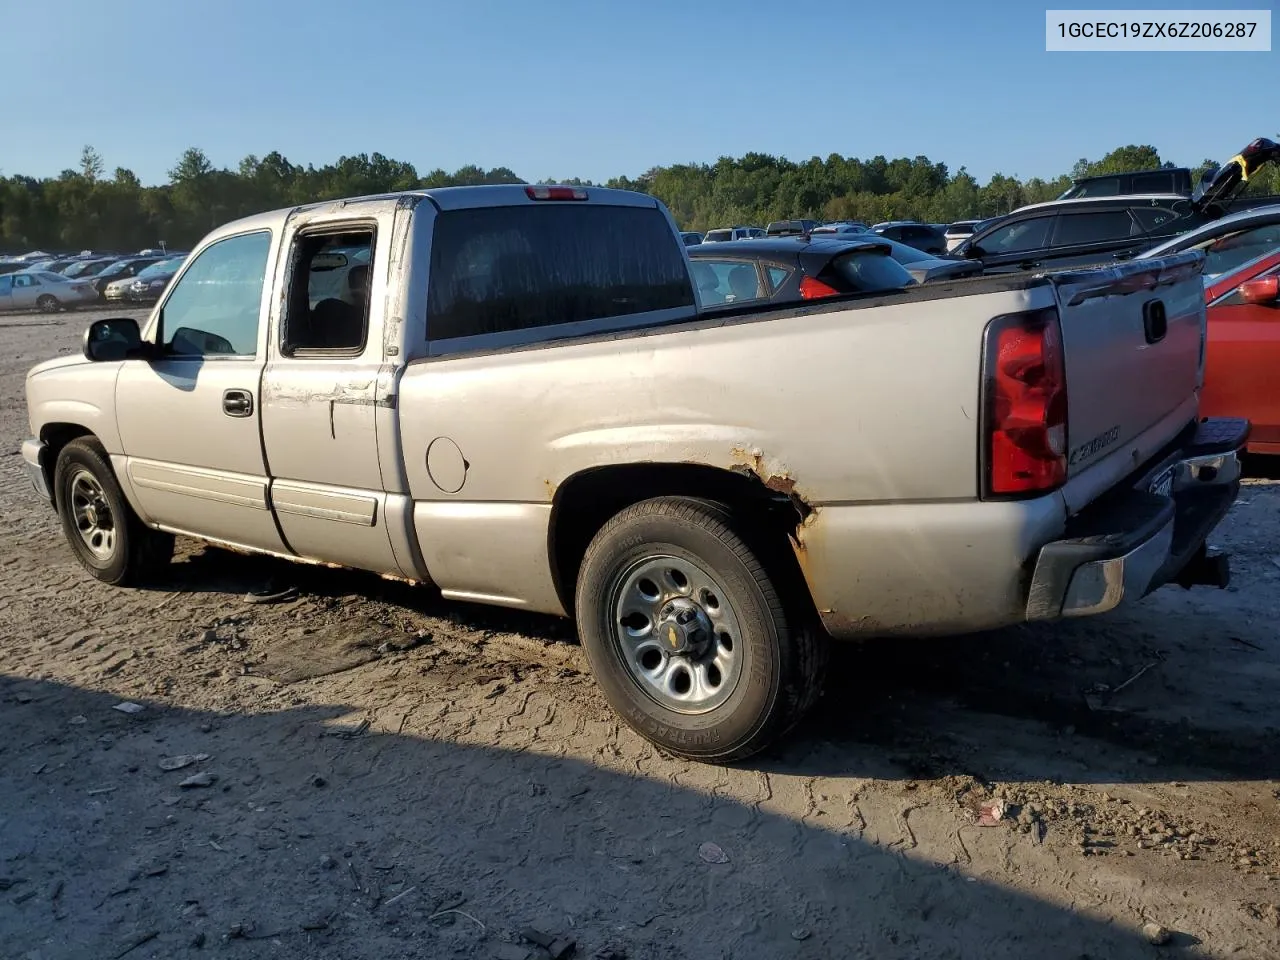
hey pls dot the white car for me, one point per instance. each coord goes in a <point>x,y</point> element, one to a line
<point>118,289</point>
<point>43,291</point>
<point>727,234</point>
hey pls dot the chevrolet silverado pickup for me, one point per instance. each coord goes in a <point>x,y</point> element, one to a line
<point>512,394</point>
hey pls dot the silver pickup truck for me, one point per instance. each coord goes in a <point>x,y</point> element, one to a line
<point>511,394</point>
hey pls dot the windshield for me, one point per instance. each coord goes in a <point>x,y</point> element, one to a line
<point>165,268</point>
<point>115,268</point>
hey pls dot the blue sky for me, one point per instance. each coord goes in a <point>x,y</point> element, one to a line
<point>594,89</point>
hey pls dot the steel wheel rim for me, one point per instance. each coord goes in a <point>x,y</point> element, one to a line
<point>92,514</point>
<point>661,610</point>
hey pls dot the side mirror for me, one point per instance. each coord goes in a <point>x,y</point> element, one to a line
<point>112,339</point>
<point>1264,291</point>
<point>971,252</point>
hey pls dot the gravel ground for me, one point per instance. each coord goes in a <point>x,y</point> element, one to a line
<point>365,771</point>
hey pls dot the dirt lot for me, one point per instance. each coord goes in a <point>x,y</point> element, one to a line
<point>388,775</point>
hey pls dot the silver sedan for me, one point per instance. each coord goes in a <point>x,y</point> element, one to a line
<point>43,291</point>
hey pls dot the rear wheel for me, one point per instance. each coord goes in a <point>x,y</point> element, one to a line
<point>104,533</point>
<point>688,635</point>
<point>48,303</point>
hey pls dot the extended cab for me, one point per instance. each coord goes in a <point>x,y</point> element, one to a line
<point>511,393</point>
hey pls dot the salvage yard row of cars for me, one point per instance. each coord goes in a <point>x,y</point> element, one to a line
<point>36,281</point>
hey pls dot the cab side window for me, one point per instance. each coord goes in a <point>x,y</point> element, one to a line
<point>215,307</point>
<point>328,305</point>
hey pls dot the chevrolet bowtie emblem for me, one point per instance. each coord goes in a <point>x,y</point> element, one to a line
<point>672,638</point>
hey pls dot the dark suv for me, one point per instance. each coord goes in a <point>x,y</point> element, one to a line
<point>1067,233</point>
<point>1138,183</point>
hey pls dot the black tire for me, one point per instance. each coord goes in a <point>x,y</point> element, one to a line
<point>784,657</point>
<point>135,551</point>
<point>48,303</point>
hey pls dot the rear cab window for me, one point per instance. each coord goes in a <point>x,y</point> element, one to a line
<point>718,236</point>
<point>506,275</point>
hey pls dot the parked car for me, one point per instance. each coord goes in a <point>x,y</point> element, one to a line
<point>1137,183</point>
<point>843,227</point>
<point>151,282</point>
<point>124,269</point>
<point>1066,233</point>
<point>1230,242</point>
<point>923,267</point>
<point>785,269</point>
<point>43,291</point>
<point>789,228</point>
<point>85,269</point>
<point>1242,349</point>
<point>712,492</point>
<point>727,234</point>
<point>691,238</point>
<point>918,235</point>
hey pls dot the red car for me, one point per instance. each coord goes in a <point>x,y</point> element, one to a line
<point>1242,352</point>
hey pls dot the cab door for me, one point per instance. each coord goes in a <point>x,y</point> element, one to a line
<point>323,393</point>
<point>190,418</point>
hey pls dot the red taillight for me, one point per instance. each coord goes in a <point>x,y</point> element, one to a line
<point>1026,404</point>
<point>812,289</point>
<point>556,193</point>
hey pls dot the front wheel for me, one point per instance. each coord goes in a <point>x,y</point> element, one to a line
<point>687,634</point>
<point>48,303</point>
<point>105,534</point>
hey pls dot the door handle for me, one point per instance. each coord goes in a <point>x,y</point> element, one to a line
<point>237,403</point>
<point>1029,264</point>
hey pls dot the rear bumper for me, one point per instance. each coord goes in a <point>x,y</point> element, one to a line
<point>33,454</point>
<point>1136,540</point>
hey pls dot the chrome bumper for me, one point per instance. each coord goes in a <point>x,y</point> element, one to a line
<point>33,454</point>
<point>1140,539</point>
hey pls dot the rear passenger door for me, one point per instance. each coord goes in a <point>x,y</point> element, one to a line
<point>321,392</point>
<point>727,281</point>
<point>1093,237</point>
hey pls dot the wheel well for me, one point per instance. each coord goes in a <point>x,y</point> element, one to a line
<point>586,501</point>
<point>56,436</point>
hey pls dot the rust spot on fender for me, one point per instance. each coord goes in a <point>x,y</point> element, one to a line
<point>773,474</point>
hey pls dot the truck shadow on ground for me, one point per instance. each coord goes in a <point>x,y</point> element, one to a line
<point>346,842</point>
<point>1012,704</point>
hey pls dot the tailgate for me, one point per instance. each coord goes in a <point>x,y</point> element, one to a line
<point>1133,338</point>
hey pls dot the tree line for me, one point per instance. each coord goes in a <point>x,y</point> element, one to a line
<point>84,208</point>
